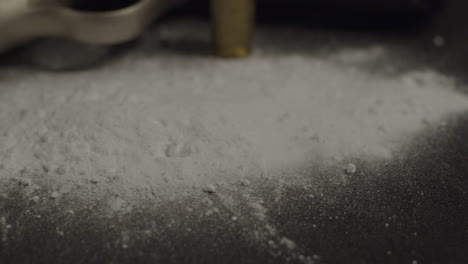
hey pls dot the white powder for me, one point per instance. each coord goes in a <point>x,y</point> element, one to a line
<point>165,121</point>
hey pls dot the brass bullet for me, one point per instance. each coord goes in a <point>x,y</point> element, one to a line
<point>233,26</point>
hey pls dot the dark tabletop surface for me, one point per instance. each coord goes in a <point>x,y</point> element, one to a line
<point>413,210</point>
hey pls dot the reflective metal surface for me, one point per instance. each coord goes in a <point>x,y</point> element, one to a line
<point>91,22</point>
<point>233,25</point>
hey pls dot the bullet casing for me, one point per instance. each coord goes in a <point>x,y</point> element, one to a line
<point>233,26</point>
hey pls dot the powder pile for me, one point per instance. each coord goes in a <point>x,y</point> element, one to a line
<point>165,121</point>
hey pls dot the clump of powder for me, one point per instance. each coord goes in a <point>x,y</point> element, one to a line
<point>171,121</point>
